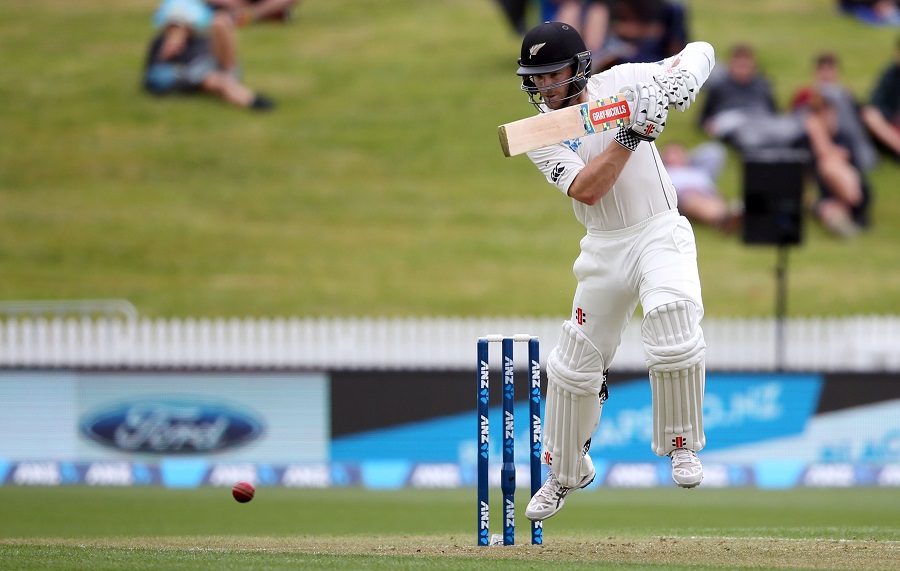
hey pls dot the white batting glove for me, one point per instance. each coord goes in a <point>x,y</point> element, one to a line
<point>650,112</point>
<point>680,87</point>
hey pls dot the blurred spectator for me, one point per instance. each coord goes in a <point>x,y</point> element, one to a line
<point>245,12</point>
<point>882,114</point>
<point>844,193</point>
<point>590,17</point>
<point>740,109</point>
<point>643,31</point>
<point>195,51</point>
<point>874,12</point>
<point>826,81</point>
<point>694,175</point>
<point>623,31</point>
<point>516,12</point>
<point>654,29</point>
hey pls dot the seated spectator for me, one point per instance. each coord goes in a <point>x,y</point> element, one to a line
<point>590,17</point>
<point>245,12</point>
<point>739,107</point>
<point>642,31</point>
<point>874,12</point>
<point>516,12</point>
<point>694,175</point>
<point>826,81</point>
<point>882,114</point>
<point>844,194</point>
<point>195,51</point>
<point>622,31</point>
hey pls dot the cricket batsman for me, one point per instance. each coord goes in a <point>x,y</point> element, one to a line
<point>637,250</point>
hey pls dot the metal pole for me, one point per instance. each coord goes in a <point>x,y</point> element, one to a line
<point>780,305</point>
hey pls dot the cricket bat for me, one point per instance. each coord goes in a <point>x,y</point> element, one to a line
<point>572,122</point>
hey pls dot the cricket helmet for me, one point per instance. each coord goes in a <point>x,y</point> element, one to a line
<point>550,47</point>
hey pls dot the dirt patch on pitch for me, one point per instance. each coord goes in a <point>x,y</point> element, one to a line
<point>868,554</point>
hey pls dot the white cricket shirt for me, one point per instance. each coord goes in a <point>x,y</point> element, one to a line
<point>643,189</point>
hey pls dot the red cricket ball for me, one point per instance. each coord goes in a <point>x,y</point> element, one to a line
<point>243,492</point>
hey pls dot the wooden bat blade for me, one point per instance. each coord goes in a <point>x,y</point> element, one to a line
<point>564,124</point>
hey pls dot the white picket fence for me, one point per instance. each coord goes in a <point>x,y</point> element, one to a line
<point>861,343</point>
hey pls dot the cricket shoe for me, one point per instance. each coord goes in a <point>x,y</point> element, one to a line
<point>687,471</point>
<point>552,495</point>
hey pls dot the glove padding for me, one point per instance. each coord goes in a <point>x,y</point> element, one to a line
<point>650,112</point>
<point>680,87</point>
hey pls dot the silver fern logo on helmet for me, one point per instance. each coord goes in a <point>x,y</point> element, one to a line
<point>536,48</point>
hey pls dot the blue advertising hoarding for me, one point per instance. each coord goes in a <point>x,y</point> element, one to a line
<point>391,429</point>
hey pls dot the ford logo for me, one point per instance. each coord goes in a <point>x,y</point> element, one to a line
<point>171,427</point>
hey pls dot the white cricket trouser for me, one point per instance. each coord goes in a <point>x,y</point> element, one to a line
<point>654,263</point>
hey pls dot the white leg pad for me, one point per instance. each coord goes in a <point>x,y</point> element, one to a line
<point>573,407</point>
<point>676,358</point>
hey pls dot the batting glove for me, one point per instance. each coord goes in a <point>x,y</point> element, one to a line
<point>650,113</point>
<point>679,86</point>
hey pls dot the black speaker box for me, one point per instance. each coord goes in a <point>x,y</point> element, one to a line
<point>773,196</point>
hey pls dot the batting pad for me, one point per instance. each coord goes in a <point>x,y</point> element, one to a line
<point>572,411</point>
<point>676,358</point>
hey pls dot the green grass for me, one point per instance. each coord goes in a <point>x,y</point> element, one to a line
<point>133,528</point>
<point>376,188</point>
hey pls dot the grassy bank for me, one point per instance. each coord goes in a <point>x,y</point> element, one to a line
<point>377,187</point>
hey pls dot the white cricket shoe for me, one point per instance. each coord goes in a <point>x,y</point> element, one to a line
<point>687,471</point>
<point>552,495</point>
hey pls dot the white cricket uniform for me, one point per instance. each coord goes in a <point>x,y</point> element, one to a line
<point>637,247</point>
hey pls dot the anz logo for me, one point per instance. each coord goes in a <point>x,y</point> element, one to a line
<point>484,516</point>
<point>573,145</point>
